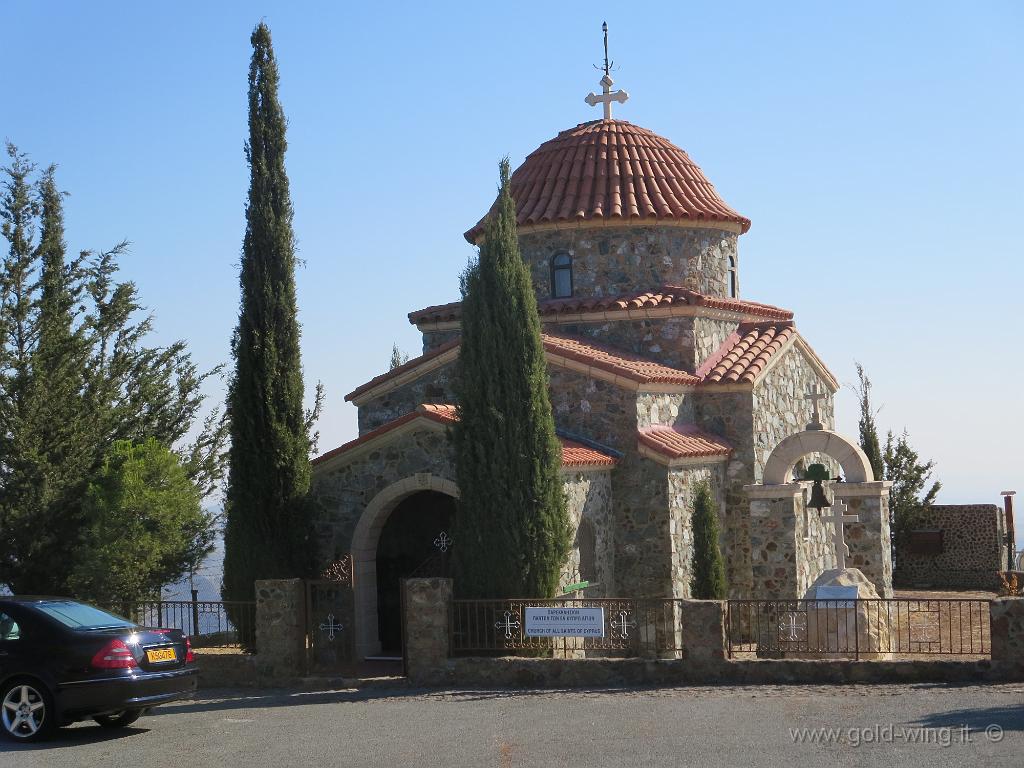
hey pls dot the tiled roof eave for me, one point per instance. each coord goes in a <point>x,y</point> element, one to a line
<point>576,456</point>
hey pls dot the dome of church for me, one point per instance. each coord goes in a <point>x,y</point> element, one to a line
<point>607,171</point>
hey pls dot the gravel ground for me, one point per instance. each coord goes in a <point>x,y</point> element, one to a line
<point>922,725</point>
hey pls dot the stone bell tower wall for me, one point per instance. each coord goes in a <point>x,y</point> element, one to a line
<point>608,260</point>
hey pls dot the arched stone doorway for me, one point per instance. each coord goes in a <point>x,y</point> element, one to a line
<point>374,536</point>
<point>415,541</point>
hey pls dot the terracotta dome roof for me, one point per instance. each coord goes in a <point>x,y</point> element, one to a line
<point>610,170</point>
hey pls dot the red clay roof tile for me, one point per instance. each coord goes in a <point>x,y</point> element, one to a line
<point>629,366</point>
<point>610,169</point>
<point>683,442</point>
<point>574,454</point>
<point>405,367</point>
<point>743,356</point>
<point>664,297</point>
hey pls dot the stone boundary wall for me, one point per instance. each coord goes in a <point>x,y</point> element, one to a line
<point>974,549</point>
<point>705,658</point>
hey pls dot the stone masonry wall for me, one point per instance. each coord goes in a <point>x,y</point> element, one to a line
<point>868,539</point>
<point>680,494</point>
<point>660,409</point>
<point>780,409</point>
<point>434,339</point>
<point>344,492</point>
<point>589,497</point>
<point>669,340</point>
<point>773,532</point>
<point>729,415</point>
<point>708,335</point>
<point>608,261</point>
<point>974,548</point>
<point>434,387</point>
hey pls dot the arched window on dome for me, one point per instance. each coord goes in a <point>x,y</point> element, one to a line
<point>734,288</point>
<point>561,276</point>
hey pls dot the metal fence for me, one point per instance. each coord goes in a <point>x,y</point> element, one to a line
<point>628,627</point>
<point>858,628</point>
<point>208,623</point>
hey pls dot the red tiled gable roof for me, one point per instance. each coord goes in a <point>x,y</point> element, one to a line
<point>665,297</point>
<point>684,442</point>
<point>745,353</point>
<point>608,170</point>
<point>578,455</point>
<point>404,368</point>
<point>574,454</point>
<point>628,366</point>
<point>616,362</point>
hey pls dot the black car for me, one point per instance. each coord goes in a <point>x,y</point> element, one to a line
<point>62,661</point>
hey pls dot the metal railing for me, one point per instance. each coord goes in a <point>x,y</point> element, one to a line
<point>858,628</point>
<point>628,627</point>
<point>208,623</point>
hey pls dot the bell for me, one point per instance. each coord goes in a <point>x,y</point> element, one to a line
<point>818,498</point>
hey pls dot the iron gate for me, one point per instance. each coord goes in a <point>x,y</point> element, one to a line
<point>330,612</point>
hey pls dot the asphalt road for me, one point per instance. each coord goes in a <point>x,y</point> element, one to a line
<point>705,726</point>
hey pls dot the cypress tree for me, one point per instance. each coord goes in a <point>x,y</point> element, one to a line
<point>512,529</point>
<point>268,523</point>
<point>868,431</point>
<point>708,567</point>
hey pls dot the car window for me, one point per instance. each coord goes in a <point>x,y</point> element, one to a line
<point>80,615</point>
<point>9,629</point>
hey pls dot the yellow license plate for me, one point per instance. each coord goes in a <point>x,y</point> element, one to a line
<point>162,654</point>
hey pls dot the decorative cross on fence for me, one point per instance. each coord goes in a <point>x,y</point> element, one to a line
<point>838,536</point>
<point>331,626</point>
<point>622,625</point>
<point>443,541</point>
<point>508,624</point>
<point>791,627</point>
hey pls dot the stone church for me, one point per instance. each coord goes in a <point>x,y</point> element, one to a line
<point>661,371</point>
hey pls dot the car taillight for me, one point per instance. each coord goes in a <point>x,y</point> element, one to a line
<point>114,655</point>
<point>189,656</point>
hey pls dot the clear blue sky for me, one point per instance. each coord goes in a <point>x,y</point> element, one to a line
<point>876,147</point>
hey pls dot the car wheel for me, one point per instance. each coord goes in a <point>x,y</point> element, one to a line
<point>119,719</point>
<point>26,710</point>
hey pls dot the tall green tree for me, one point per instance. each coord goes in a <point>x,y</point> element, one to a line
<point>511,526</point>
<point>146,526</point>
<point>76,375</point>
<point>868,431</point>
<point>912,491</point>
<point>268,532</point>
<point>708,566</point>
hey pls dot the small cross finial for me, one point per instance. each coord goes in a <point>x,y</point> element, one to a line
<point>607,94</point>
<point>814,395</point>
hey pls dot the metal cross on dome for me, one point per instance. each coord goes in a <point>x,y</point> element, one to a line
<point>607,94</point>
<point>331,626</point>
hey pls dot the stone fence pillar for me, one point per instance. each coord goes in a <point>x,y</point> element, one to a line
<point>869,538</point>
<point>1007,615</point>
<point>702,624</point>
<point>426,604</point>
<point>280,628</point>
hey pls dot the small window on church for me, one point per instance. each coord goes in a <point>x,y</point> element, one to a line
<point>733,287</point>
<point>561,276</point>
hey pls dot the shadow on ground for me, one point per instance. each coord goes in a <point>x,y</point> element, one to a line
<point>73,736</point>
<point>1007,718</point>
